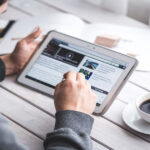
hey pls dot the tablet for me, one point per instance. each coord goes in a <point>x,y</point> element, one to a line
<point>104,69</point>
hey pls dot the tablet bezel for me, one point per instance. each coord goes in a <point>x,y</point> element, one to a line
<point>132,62</point>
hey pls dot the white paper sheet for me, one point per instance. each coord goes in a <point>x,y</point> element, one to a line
<point>3,23</point>
<point>64,23</point>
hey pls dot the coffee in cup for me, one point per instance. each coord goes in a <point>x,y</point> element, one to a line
<point>143,106</point>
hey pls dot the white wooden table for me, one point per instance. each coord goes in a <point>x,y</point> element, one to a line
<point>31,114</point>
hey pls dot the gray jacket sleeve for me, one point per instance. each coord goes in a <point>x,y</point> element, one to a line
<point>72,132</point>
<point>8,140</point>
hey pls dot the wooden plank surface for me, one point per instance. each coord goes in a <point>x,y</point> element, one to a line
<point>33,7</point>
<point>30,117</point>
<point>130,92</point>
<point>29,95</point>
<point>45,103</point>
<point>92,13</point>
<point>102,132</point>
<point>38,122</point>
<point>30,110</point>
<point>141,79</point>
<point>24,137</point>
<point>13,14</point>
<point>31,141</point>
<point>114,114</point>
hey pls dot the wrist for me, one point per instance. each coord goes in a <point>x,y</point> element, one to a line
<point>9,65</point>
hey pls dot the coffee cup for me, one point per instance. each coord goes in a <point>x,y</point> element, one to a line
<point>143,106</point>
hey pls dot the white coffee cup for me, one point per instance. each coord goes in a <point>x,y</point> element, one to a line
<point>143,98</point>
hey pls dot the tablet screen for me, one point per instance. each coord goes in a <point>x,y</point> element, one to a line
<point>59,57</point>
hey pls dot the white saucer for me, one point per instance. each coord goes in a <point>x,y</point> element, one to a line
<point>134,121</point>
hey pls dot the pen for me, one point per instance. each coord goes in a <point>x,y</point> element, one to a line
<point>16,38</point>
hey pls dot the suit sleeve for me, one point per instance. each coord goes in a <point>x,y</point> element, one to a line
<point>72,132</point>
<point>2,70</point>
<point>8,140</point>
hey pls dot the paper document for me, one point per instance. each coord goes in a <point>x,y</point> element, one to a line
<point>64,23</point>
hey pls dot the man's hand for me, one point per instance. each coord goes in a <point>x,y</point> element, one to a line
<point>74,93</point>
<point>22,53</point>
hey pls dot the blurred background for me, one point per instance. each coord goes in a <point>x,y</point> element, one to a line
<point>127,20</point>
<point>137,9</point>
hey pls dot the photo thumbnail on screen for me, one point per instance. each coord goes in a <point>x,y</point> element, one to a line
<point>86,73</point>
<point>56,50</point>
<point>91,65</point>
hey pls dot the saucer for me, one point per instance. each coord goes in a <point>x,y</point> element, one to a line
<point>133,119</point>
